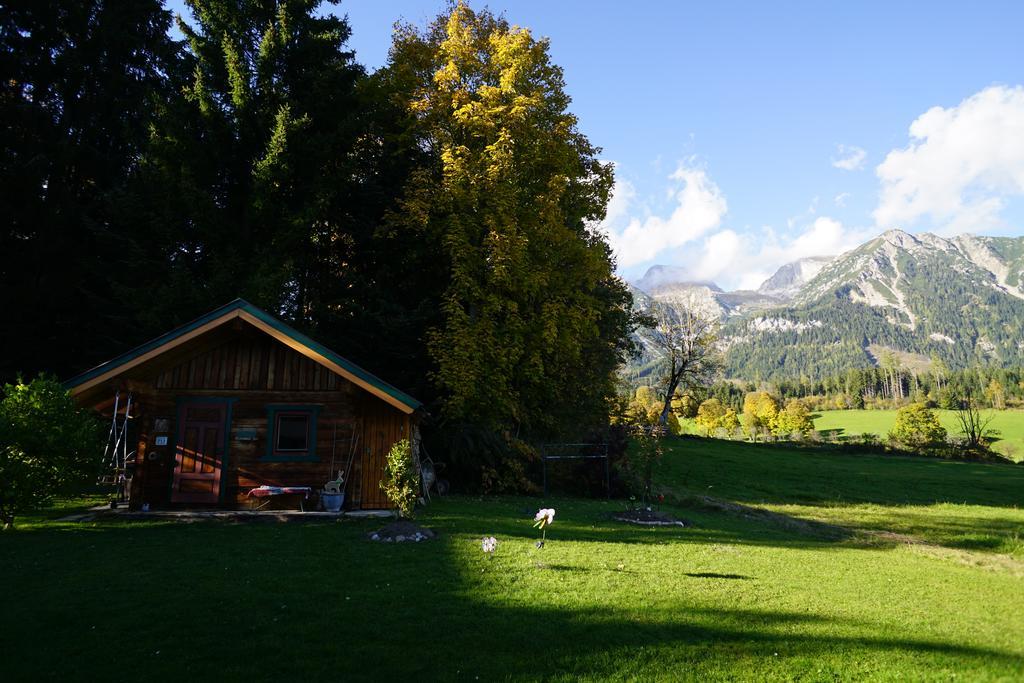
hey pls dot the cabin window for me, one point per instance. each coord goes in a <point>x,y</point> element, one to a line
<point>291,432</point>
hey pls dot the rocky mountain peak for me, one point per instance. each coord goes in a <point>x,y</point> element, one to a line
<point>788,279</point>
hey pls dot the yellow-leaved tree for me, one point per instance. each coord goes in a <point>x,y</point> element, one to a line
<point>760,412</point>
<point>532,321</point>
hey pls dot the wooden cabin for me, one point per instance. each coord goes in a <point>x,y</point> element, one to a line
<point>236,400</point>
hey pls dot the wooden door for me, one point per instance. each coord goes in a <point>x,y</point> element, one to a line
<point>382,427</point>
<point>199,454</point>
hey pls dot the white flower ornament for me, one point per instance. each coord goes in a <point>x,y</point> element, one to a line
<point>543,519</point>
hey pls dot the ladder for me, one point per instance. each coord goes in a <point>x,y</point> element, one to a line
<point>116,456</point>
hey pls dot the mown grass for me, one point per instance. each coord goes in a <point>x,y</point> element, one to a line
<point>963,505</point>
<point>845,423</point>
<point>733,596</point>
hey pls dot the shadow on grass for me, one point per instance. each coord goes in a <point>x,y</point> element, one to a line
<point>983,529</point>
<point>714,575</point>
<point>790,473</point>
<point>319,602</point>
<point>581,520</point>
<point>604,643</point>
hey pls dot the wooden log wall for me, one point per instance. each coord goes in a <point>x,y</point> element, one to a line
<point>257,371</point>
<point>249,361</point>
<point>383,426</point>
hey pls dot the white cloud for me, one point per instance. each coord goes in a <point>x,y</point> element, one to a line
<point>699,209</point>
<point>961,165</point>
<point>734,259</point>
<point>719,251</point>
<point>849,158</point>
<point>744,261</point>
<point>841,198</point>
<point>620,202</point>
<point>824,237</point>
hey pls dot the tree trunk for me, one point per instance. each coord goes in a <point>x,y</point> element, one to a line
<point>663,419</point>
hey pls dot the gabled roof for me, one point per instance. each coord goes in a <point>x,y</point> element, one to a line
<point>239,308</point>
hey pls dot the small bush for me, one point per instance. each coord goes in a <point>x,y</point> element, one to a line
<point>637,467</point>
<point>869,439</point>
<point>47,445</point>
<point>401,481</point>
<point>508,472</point>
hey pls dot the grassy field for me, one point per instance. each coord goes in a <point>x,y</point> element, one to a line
<point>801,565</point>
<point>1009,423</point>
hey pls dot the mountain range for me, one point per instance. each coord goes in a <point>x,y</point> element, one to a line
<point>924,297</point>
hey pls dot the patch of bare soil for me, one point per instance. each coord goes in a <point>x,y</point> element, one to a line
<point>648,517</point>
<point>402,531</point>
<point>879,537</point>
<point>802,526</point>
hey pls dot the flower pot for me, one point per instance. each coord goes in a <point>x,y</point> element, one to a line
<point>332,502</point>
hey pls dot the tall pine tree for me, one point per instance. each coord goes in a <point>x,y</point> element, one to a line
<point>80,82</point>
<point>253,173</point>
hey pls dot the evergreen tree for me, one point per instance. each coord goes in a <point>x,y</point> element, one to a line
<point>254,172</point>
<point>80,84</point>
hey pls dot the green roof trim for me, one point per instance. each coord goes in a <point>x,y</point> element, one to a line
<point>263,316</point>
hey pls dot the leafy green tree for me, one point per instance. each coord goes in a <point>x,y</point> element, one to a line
<point>47,446</point>
<point>644,453</point>
<point>710,415</point>
<point>794,418</point>
<point>505,208</point>
<point>917,427</point>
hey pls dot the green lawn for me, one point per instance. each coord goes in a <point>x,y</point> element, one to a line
<point>740,595</point>
<point>1009,423</point>
<point>957,505</point>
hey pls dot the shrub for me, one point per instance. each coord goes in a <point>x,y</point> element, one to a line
<point>638,466</point>
<point>869,439</point>
<point>401,481</point>
<point>47,445</point>
<point>917,428</point>
<point>507,473</point>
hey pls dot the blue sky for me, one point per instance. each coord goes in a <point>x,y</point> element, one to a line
<point>747,134</point>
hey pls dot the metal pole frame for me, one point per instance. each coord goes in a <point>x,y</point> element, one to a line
<point>544,457</point>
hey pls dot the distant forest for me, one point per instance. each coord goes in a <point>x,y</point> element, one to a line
<point>887,386</point>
